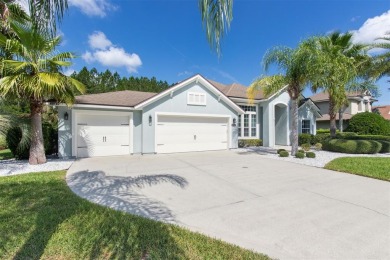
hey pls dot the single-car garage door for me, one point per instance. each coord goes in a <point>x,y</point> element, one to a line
<point>191,133</point>
<point>102,135</point>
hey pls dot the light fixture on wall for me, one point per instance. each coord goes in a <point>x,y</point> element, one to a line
<point>150,120</point>
<point>234,122</point>
<point>66,116</point>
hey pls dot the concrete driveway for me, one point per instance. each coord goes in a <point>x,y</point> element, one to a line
<point>282,209</point>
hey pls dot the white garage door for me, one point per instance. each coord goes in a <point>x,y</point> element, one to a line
<point>102,135</point>
<point>186,134</point>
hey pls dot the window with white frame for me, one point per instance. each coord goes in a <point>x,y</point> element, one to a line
<point>196,98</point>
<point>306,127</point>
<point>247,123</point>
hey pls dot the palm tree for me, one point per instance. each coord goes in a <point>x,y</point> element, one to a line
<point>295,76</point>
<point>337,65</point>
<point>34,74</point>
<point>381,66</point>
<point>216,17</point>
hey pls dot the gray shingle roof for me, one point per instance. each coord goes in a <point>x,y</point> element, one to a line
<point>125,98</point>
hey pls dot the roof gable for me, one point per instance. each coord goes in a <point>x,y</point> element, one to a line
<point>124,98</point>
<point>198,79</point>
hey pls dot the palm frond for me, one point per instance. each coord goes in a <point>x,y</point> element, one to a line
<point>269,85</point>
<point>216,17</point>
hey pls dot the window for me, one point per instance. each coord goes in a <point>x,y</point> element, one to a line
<point>197,99</point>
<point>247,123</point>
<point>360,106</point>
<point>306,127</point>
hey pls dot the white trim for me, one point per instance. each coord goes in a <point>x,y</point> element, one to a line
<point>255,113</point>
<point>229,119</point>
<point>288,122</point>
<point>99,107</point>
<point>196,78</point>
<point>74,118</point>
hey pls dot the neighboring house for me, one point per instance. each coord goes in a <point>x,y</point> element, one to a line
<point>194,115</point>
<point>383,111</point>
<point>357,102</point>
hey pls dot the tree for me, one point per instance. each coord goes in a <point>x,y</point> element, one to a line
<point>34,74</point>
<point>296,72</point>
<point>381,66</point>
<point>216,17</point>
<point>336,67</point>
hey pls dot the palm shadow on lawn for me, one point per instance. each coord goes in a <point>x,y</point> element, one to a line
<point>44,210</point>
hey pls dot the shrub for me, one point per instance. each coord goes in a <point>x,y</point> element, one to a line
<point>310,155</point>
<point>369,137</point>
<point>323,131</point>
<point>300,155</point>
<point>284,154</point>
<point>368,123</point>
<point>304,139</point>
<point>306,147</point>
<point>280,150</point>
<point>319,138</point>
<point>3,143</point>
<point>352,146</point>
<point>385,146</point>
<point>249,142</point>
<point>301,151</point>
<point>345,135</point>
<point>19,150</point>
<point>318,146</point>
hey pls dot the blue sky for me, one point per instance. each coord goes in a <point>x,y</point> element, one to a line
<point>165,39</point>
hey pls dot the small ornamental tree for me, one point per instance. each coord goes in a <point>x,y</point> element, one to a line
<point>369,124</point>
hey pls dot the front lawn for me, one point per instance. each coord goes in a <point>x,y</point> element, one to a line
<point>374,167</point>
<point>41,218</point>
<point>6,154</point>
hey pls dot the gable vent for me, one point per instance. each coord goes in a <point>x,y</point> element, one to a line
<point>197,99</point>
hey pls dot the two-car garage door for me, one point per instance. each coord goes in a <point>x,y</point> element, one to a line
<point>191,133</point>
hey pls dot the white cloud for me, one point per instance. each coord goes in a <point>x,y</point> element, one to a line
<point>355,18</point>
<point>185,73</point>
<point>106,53</point>
<point>93,7</point>
<point>68,72</point>
<point>372,29</point>
<point>226,75</point>
<point>98,40</point>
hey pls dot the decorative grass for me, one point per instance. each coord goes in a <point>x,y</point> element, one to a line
<point>41,218</point>
<point>373,167</point>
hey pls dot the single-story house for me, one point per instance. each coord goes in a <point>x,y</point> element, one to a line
<point>193,115</point>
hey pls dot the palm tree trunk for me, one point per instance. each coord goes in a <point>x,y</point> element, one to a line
<point>332,118</point>
<point>341,120</point>
<point>294,126</point>
<point>37,150</point>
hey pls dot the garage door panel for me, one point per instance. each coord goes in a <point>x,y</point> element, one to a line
<point>99,135</point>
<point>185,134</point>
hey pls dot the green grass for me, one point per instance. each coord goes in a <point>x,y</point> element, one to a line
<point>41,218</point>
<point>373,167</point>
<point>6,154</point>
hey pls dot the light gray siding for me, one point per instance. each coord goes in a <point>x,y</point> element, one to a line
<point>137,134</point>
<point>306,113</point>
<point>177,103</point>
<point>64,132</point>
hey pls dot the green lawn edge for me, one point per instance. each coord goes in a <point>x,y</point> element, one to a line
<point>6,154</point>
<point>372,167</point>
<point>43,218</point>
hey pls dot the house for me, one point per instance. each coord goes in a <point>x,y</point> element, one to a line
<point>357,102</point>
<point>383,111</point>
<point>194,115</point>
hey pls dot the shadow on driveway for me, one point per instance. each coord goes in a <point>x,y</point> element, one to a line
<point>121,193</point>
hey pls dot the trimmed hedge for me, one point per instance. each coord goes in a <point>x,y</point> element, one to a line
<point>319,138</point>
<point>345,135</point>
<point>368,123</point>
<point>249,142</point>
<point>385,146</point>
<point>383,139</point>
<point>300,155</point>
<point>280,150</point>
<point>352,146</point>
<point>284,154</point>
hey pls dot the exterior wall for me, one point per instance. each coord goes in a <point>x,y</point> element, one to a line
<point>306,113</point>
<point>178,104</point>
<point>323,106</point>
<point>64,132</point>
<point>65,135</point>
<point>268,109</point>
